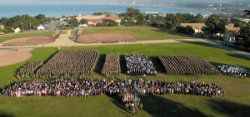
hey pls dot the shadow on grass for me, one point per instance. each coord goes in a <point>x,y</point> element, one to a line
<point>205,44</point>
<point>230,109</point>
<point>100,63</point>
<point>157,64</point>
<point>123,64</point>
<point>4,114</point>
<point>158,106</point>
<point>116,101</point>
<point>241,56</point>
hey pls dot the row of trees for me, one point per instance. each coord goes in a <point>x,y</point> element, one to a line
<point>135,17</point>
<point>170,22</point>
<point>215,26</point>
<point>24,22</point>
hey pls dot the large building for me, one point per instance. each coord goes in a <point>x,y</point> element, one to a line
<point>94,20</point>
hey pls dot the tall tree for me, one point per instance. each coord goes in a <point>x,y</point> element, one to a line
<point>171,22</point>
<point>245,34</point>
<point>133,17</point>
<point>215,24</point>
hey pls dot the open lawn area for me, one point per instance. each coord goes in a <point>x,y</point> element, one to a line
<point>25,34</point>
<point>139,32</point>
<point>235,102</point>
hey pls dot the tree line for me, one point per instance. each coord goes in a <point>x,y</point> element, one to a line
<point>215,25</point>
<point>24,22</point>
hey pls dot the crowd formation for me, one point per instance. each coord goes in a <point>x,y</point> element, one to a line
<point>129,91</point>
<point>139,65</point>
<point>234,70</point>
<point>80,87</point>
<point>186,65</point>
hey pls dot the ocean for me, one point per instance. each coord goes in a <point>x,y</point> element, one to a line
<point>68,10</point>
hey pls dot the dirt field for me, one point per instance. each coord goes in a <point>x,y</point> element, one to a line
<point>29,41</point>
<point>9,56</point>
<point>105,38</point>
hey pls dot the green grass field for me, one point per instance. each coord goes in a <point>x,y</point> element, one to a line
<point>139,32</point>
<point>235,103</point>
<point>25,34</point>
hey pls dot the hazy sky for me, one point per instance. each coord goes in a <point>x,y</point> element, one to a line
<point>105,1</point>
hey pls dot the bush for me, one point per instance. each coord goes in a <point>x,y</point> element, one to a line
<point>108,23</point>
<point>185,30</point>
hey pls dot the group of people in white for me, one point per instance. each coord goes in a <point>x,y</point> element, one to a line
<point>234,70</point>
<point>139,65</point>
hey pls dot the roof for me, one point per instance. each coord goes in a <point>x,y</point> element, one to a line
<point>97,17</point>
<point>230,27</point>
<point>194,25</point>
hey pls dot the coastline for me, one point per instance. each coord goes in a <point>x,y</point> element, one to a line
<point>56,10</point>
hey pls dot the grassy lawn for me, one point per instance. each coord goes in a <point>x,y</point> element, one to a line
<point>139,32</point>
<point>235,103</point>
<point>7,73</point>
<point>25,34</point>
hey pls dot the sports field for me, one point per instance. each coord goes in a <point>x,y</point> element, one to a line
<point>235,102</point>
<point>25,34</point>
<point>121,33</point>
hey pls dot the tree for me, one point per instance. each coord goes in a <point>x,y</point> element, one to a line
<point>132,17</point>
<point>185,30</point>
<point>108,22</point>
<point>133,12</point>
<point>245,34</point>
<point>140,19</point>
<point>155,20</point>
<point>42,18</point>
<point>189,18</point>
<point>171,22</point>
<point>72,22</point>
<point>83,21</point>
<point>215,24</point>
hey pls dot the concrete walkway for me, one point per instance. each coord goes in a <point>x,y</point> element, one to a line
<point>61,41</point>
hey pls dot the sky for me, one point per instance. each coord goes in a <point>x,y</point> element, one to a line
<point>109,1</point>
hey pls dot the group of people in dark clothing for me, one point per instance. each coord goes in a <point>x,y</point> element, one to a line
<point>130,92</point>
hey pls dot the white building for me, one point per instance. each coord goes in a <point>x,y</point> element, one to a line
<point>40,27</point>
<point>17,30</point>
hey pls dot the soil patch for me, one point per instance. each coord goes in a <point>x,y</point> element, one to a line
<point>29,41</point>
<point>106,38</point>
<point>9,56</point>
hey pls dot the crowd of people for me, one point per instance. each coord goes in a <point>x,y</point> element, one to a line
<point>81,87</point>
<point>187,65</point>
<point>139,65</point>
<point>234,70</point>
<point>129,91</point>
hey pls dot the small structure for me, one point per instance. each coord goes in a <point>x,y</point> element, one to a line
<point>83,25</point>
<point>17,30</point>
<point>232,28</point>
<point>197,27</point>
<point>1,27</point>
<point>41,27</point>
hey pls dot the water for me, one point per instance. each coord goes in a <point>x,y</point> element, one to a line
<point>66,10</point>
